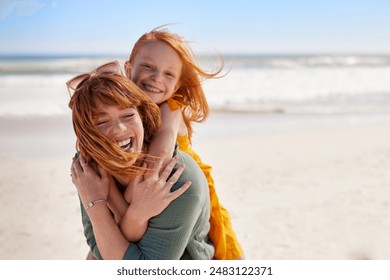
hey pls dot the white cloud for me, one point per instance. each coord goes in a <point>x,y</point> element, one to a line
<point>23,7</point>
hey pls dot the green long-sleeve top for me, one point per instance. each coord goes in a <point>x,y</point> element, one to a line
<point>180,231</point>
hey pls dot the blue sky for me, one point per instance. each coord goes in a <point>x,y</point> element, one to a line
<point>241,26</point>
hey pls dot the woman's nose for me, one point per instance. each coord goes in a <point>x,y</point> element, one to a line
<point>118,127</point>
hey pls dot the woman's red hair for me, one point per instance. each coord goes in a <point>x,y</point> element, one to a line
<point>111,90</point>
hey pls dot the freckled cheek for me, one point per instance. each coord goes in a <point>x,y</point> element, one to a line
<point>104,131</point>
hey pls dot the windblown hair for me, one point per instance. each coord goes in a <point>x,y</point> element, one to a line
<point>112,90</point>
<point>190,94</point>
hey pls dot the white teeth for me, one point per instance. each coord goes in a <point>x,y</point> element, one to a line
<point>125,144</point>
<point>152,89</point>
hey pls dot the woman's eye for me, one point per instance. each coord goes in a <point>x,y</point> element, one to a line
<point>128,116</point>
<point>101,123</point>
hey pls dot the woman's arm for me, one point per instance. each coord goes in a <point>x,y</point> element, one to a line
<point>116,202</point>
<point>111,242</point>
<point>93,187</point>
<point>100,228</point>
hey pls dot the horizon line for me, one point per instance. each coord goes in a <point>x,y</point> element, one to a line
<point>199,54</point>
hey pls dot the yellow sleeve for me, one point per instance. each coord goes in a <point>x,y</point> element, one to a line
<point>174,104</point>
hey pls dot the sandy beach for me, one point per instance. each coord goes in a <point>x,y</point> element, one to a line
<point>297,186</point>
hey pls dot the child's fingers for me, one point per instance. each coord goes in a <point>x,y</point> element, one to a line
<point>175,176</point>
<point>179,191</point>
<point>168,170</point>
<point>155,165</point>
<point>139,178</point>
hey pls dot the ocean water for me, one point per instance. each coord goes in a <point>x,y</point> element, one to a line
<point>307,84</point>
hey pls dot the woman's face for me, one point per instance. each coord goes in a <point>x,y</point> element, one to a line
<point>156,70</point>
<point>124,126</point>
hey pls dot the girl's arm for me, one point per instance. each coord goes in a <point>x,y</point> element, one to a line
<point>150,196</point>
<point>163,142</point>
<point>164,139</point>
<point>184,223</point>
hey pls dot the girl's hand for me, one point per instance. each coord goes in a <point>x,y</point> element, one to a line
<point>91,185</point>
<point>151,193</point>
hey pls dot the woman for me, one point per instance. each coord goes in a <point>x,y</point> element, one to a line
<point>114,122</point>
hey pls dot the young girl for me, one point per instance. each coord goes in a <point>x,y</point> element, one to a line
<point>163,67</point>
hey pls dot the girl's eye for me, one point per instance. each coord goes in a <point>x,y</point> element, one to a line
<point>147,66</point>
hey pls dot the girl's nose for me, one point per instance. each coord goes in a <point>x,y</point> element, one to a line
<point>157,76</point>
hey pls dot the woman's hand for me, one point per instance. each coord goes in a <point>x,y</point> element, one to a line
<point>91,185</point>
<point>150,195</point>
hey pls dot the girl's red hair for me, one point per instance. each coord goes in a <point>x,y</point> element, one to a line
<point>190,93</point>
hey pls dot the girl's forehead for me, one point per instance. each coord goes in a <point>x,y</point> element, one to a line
<point>161,53</point>
<point>154,45</point>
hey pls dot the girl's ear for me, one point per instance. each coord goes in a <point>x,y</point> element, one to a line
<point>128,69</point>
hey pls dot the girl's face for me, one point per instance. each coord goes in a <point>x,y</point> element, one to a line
<point>156,70</point>
<point>124,126</point>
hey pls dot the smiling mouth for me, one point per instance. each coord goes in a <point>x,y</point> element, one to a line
<point>125,145</point>
<point>151,89</point>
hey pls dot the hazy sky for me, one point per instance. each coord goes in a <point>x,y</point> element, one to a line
<point>241,26</point>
